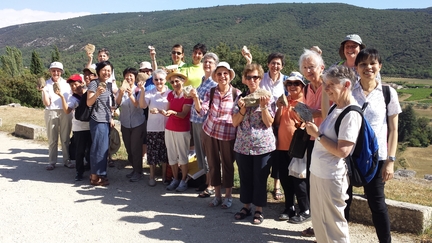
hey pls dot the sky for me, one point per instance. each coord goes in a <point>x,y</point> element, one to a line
<point>26,11</point>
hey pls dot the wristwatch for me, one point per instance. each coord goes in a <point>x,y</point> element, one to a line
<point>319,137</point>
<point>392,158</point>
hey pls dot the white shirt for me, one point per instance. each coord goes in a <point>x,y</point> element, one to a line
<point>56,102</point>
<point>276,88</point>
<point>324,164</point>
<point>155,99</point>
<point>77,125</point>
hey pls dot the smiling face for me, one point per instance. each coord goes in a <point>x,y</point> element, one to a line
<point>159,81</point>
<point>294,87</point>
<point>368,69</point>
<point>197,56</point>
<point>223,76</point>
<point>311,71</point>
<point>76,87</point>
<point>275,66</point>
<point>130,78</point>
<point>177,83</point>
<point>177,55</point>
<point>351,49</point>
<point>55,74</point>
<point>88,77</point>
<point>252,80</point>
<point>102,56</point>
<point>209,65</point>
<point>105,73</point>
<point>334,89</point>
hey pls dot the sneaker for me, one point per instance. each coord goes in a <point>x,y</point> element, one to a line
<point>152,182</point>
<point>182,186</point>
<point>287,214</point>
<point>78,177</point>
<point>300,218</point>
<point>136,177</point>
<point>130,174</point>
<point>173,185</point>
<point>69,164</point>
<point>191,154</point>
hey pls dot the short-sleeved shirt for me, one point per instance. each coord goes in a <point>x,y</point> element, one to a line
<point>56,102</point>
<point>194,74</point>
<point>149,85</point>
<point>375,112</point>
<point>275,87</point>
<point>202,89</point>
<point>176,103</point>
<point>102,106</point>
<point>159,100</point>
<point>219,116</point>
<point>287,125</point>
<point>77,125</point>
<point>313,100</point>
<point>130,115</point>
<point>253,136</point>
<point>324,164</point>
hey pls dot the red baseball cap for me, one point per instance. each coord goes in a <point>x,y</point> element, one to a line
<point>75,78</point>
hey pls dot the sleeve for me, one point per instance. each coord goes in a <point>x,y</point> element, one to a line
<point>350,127</point>
<point>205,104</point>
<point>92,87</point>
<point>188,101</point>
<point>72,102</point>
<point>147,98</point>
<point>236,108</point>
<point>393,107</point>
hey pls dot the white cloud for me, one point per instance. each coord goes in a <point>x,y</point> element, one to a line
<point>13,17</point>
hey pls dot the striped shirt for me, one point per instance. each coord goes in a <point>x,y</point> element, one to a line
<point>204,87</point>
<point>219,116</point>
<point>102,106</point>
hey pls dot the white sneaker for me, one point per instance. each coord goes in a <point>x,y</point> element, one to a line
<point>182,186</point>
<point>173,185</point>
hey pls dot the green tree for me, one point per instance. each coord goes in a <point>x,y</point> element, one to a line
<point>36,66</point>
<point>55,55</point>
<point>11,62</point>
<point>407,123</point>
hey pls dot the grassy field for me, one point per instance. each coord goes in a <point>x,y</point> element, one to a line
<point>408,81</point>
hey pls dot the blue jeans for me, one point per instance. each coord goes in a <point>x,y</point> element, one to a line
<point>99,148</point>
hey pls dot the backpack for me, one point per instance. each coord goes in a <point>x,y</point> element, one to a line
<point>363,163</point>
<point>213,90</point>
<point>83,112</point>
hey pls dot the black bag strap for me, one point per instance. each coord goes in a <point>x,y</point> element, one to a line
<point>213,90</point>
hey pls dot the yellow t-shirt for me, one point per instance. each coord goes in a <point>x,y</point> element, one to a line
<point>194,74</point>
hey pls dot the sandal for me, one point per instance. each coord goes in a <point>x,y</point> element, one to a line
<point>69,165</point>
<point>258,219</point>
<point>277,194</point>
<point>50,167</point>
<point>98,181</point>
<point>227,203</point>
<point>201,188</point>
<point>244,212</point>
<point>215,202</point>
<point>206,193</point>
<point>309,232</point>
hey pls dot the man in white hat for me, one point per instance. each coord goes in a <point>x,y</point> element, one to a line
<point>56,120</point>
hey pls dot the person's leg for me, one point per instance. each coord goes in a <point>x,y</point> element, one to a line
<point>182,140</point>
<point>65,125</point>
<point>99,148</point>
<point>275,165</point>
<point>376,200</point>
<point>348,202</point>
<point>226,149</point>
<point>172,158</point>
<point>80,150</point>
<point>126,136</point>
<point>284,159</point>
<point>51,124</point>
<point>245,171</point>
<point>301,194</point>
<point>261,169</point>
<point>214,163</point>
<point>137,134</point>
<point>308,163</point>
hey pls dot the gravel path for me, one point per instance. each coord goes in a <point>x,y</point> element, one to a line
<point>37,205</point>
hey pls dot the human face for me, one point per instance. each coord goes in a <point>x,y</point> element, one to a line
<point>351,49</point>
<point>105,73</point>
<point>177,55</point>
<point>294,87</point>
<point>209,65</point>
<point>76,87</point>
<point>146,70</point>
<point>252,80</point>
<point>368,69</point>
<point>88,77</point>
<point>334,89</point>
<point>197,56</point>
<point>177,83</point>
<point>275,66</point>
<point>311,70</point>
<point>130,78</point>
<point>223,76</point>
<point>55,74</point>
<point>102,56</point>
<point>159,81</point>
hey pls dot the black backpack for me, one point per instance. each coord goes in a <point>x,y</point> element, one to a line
<point>83,112</point>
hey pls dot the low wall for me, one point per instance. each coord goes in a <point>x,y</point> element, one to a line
<point>30,131</point>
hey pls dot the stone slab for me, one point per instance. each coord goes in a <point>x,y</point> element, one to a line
<point>30,131</point>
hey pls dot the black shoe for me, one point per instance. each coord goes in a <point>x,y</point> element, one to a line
<point>300,218</point>
<point>287,214</point>
<point>79,177</point>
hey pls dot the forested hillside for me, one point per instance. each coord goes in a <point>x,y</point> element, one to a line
<point>403,37</point>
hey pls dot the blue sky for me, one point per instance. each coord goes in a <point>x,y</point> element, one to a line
<point>24,11</point>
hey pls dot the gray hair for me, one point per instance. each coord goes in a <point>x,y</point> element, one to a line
<point>160,72</point>
<point>341,73</point>
<point>309,54</point>
<point>211,55</point>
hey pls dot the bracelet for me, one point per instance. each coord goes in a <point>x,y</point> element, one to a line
<point>241,113</point>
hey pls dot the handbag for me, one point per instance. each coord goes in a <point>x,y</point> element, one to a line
<point>299,143</point>
<point>297,167</point>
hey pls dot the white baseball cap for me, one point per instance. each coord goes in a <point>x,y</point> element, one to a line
<point>58,65</point>
<point>145,65</point>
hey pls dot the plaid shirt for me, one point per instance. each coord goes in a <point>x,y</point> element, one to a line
<point>204,88</point>
<point>219,120</point>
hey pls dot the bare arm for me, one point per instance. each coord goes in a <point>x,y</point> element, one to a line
<point>153,59</point>
<point>388,169</point>
<point>90,59</point>
<point>181,114</point>
<point>324,105</point>
<point>238,117</point>
<point>66,109</point>
<point>265,113</point>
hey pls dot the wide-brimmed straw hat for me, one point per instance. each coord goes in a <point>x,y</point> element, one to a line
<point>178,74</point>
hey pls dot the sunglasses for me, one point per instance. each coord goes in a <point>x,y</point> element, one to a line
<point>222,73</point>
<point>176,52</point>
<point>252,77</point>
<point>175,81</point>
<point>158,79</point>
<point>293,83</point>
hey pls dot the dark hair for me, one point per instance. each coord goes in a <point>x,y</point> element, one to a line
<point>252,67</point>
<point>104,50</point>
<point>130,70</point>
<point>366,54</point>
<point>275,55</point>
<point>200,47</point>
<point>101,65</point>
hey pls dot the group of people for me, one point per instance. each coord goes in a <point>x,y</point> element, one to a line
<point>216,121</point>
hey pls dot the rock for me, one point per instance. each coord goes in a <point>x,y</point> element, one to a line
<point>142,77</point>
<point>303,111</point>
<point>15,105</point>
<point>427,177</point>
<point>405,173</point>
<point>40,83</point>
<point>252,100</point>
<point>186,90</point>
<point>90,48</point>
<point>56,87</point>
<point>283,99</point>
<point>30,131</point>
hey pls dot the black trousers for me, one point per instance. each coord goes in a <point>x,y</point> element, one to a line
<point>83,143</point>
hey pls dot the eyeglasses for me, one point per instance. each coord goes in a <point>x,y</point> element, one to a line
<point>158,79</point>
<point>222,73</point>
<point>175,81</point>
<point>253,77</point>
<point>176,53</point>
<point>293,83</point>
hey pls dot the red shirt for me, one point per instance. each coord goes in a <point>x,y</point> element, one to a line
<point>176,103</point>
